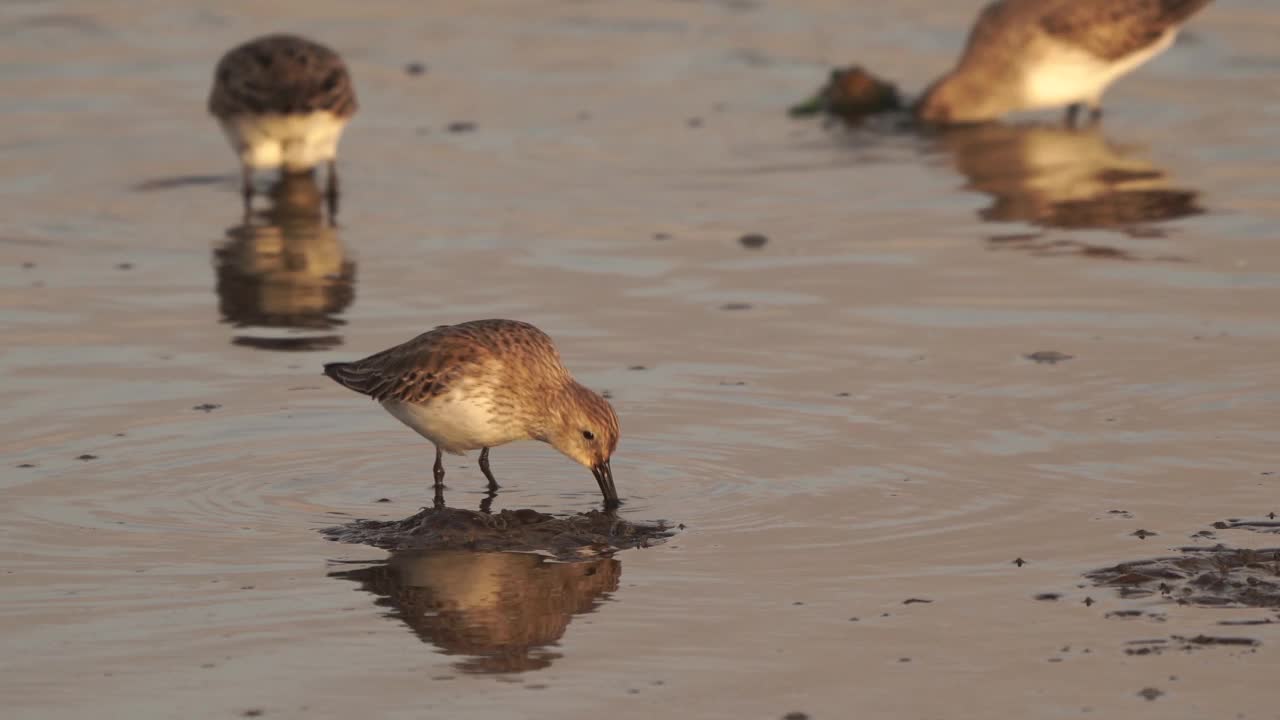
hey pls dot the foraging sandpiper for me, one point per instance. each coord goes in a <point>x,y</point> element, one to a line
<point>283,101</point>
<point>1034,54</point>
<point>484,383</point>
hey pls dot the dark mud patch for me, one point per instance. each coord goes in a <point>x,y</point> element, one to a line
<point>1182,643</point>
<point>563,537</point>
<point>1268,525</point>
<point>1201,576</point>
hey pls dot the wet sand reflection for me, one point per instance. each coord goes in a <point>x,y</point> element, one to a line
<point>504,611</point>
<point>285,269</point>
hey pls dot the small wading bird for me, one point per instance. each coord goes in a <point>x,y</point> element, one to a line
<point>1035,54</point>
<point>484,383</point>
<point>283,102</point>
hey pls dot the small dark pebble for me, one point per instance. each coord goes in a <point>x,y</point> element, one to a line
<point>1149,693</point>
<point>1048,597</point>
<point>797,603</point>
<point>27,465</point>
<point>694,122</point>
<point>206,407</point>
<point>415,68</point>
<point>28,265</point>
<point>1019,562</point>
<point>795,716</point>
<point>606,394</point>
<point>461,126</point>
<point>1143,534</point>
<point>1047,357</point>
<point>736,306</point>
<point>736,383</point>
<point>1088,601</point>
<point>662,236</point>
<point>842,394</point>
<point>124,266</point>
<point>86,457</point>
<point>637,367</point>
<point>853,619</point>
<point>383,500</point>
<point>912,601</point>
<point>753,241</point>
<point>904,659</point>
<point>254,712</point>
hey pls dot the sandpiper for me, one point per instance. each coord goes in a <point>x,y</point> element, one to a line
<point>479,384</point>
<point>283,101</point>
<point>1034,54</point>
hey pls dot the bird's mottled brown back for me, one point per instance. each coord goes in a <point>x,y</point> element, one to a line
<point>510,353</point>
<point>1113,29</point>
<point>281,74</point>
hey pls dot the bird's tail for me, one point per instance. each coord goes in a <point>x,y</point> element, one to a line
<point>346,375</point>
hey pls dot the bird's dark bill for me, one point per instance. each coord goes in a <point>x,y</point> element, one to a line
<point>604,476</point>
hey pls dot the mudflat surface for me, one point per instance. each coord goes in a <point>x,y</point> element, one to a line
<point>958,374</point>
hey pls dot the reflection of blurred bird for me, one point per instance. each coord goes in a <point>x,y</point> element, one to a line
<point>290,271</point>
<point>1056,177</point>
<point>283,101</point>
<point>1030,54</point>
<point>503,609</point>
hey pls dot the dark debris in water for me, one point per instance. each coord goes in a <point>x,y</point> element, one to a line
<point>850,93</point>
<point>1205,577</point>
<point>1047,357</point>
<point>523,530</point>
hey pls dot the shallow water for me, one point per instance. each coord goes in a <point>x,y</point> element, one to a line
<point>866,431</point>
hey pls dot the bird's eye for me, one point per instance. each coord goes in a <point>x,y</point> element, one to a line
<point>587,434</point>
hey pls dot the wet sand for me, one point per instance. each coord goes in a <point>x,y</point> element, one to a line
<point>863,430</point>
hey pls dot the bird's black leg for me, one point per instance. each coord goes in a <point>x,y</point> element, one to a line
<point>438,470</point>
<point>1095,114</point>
<point>484,468</point>
<point>331,192</point>
<point>246,188</point>
<point>1073,114</point>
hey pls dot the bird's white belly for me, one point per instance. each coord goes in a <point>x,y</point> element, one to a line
<point>456,426</point>
<point>1068,75</point>
<point>298,142</point>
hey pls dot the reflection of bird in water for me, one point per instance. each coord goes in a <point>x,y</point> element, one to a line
<point>502,609</point>
<point>1063,178</point>
<point>283,102</point>
<point>285,269</point>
